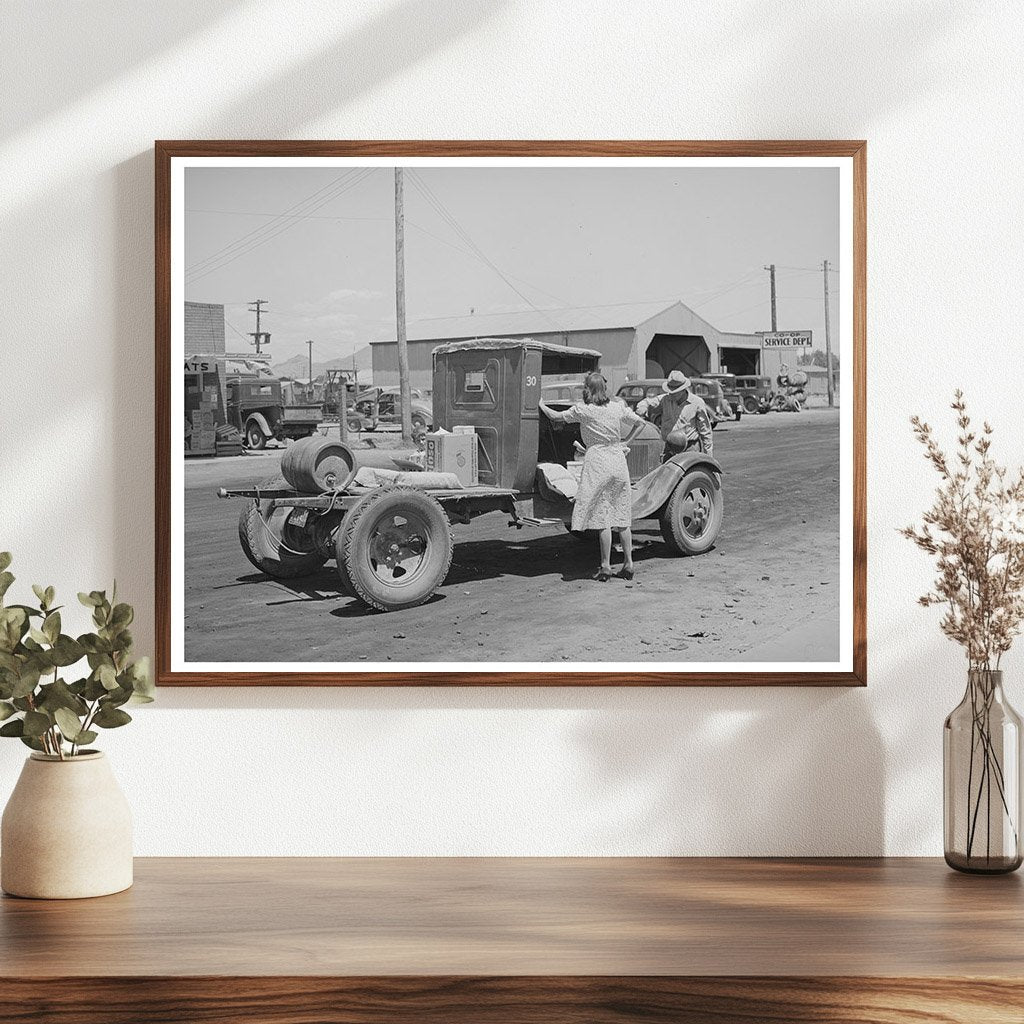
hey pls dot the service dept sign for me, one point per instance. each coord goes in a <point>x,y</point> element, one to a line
<point>785,339</point>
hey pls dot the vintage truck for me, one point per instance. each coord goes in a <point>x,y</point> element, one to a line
<point>393,544</point>
<point>257,408</point>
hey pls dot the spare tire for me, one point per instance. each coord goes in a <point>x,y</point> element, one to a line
<point>394,548</point>
<point>274,540</point>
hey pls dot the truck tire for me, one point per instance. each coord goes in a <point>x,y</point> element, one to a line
<point>394,548</point>
<point>255,439</point>
<point>692,516</point>
<point>275,546</point>
<point>751,404</point>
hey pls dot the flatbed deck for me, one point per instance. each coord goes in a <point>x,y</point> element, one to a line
<point>352,493</point>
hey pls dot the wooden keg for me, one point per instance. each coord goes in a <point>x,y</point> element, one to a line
<point>317,464</point>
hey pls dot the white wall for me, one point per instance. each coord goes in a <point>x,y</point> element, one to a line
<point>936,88</point>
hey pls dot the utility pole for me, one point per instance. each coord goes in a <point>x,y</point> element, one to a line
<point>310,346</point>
<point>771,274</point>
<point>775,326</point>
<point>828,342</point>
<point>256,306</point>
<point>404,395</point>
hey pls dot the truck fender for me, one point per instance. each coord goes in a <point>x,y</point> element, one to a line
<point>652,491</point>
<point>261,420</point>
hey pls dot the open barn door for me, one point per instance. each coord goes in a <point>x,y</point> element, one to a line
<point>687,352</point>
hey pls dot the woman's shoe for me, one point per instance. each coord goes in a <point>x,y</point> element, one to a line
<point>625,574</point>
<point>602,575</point>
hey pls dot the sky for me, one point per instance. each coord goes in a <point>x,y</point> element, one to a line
<point>506,238</point>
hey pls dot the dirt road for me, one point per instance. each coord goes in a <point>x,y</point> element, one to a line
<point>767,591</point>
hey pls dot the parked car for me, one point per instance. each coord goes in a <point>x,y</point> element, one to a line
<point>256,407</point>
<point>633,391</point>
<point>388,410</point>
<point>756,393</point>
<point>732,395</point>
<point>393,543</point>
<point>568,391</point>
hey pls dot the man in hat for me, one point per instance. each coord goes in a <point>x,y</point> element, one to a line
<point>685,420</point>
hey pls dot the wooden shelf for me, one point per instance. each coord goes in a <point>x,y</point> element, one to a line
<point>506,940</point>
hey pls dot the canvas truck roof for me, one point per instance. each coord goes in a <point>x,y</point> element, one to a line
<point>554,358</point>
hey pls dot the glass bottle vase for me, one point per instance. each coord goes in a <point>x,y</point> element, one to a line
<point>981,772</point>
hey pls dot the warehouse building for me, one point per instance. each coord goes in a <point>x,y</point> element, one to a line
<point>641,339</point>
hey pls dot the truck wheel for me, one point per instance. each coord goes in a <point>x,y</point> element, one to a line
<point>750,403</point>
<point>255,439</point>
<point>277,543</point>
<point>395,548</point>
<point>355,425</point>
<point>419,423</point>
<point>692,517</point>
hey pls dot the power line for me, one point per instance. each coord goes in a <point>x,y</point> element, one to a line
<point>424,189</point>
<point>213,257</point>
<point>272,230</point>
<point>748,281</point>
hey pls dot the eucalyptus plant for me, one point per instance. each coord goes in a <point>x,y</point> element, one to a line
<point>37,704</point>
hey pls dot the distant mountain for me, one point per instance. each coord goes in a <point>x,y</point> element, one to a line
<point>298,366</point>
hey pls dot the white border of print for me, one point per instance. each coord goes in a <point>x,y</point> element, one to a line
<point>844,333</point>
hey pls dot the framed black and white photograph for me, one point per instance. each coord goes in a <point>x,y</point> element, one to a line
<point>543,413</point>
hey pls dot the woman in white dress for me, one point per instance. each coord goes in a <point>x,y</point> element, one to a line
<point>604,497</point>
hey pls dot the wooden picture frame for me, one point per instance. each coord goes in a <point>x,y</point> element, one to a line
<point>850,155</point>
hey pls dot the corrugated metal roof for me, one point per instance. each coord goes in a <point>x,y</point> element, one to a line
<point>531,321</point>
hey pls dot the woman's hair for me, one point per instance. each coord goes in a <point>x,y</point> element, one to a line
<point>595,389</point>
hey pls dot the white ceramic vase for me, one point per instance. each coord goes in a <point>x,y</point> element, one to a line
<point>66,831</point>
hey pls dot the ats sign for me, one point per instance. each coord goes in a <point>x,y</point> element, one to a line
<point>785,339</point>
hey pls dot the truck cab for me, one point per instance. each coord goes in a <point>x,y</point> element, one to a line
<point>495,384</point>
<point>256,407</point>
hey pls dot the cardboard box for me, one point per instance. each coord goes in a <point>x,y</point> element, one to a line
<point>452,453</point>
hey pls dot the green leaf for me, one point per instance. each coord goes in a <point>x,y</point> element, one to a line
<point>13,626</point>
<point>111,718</point>
<point>66,651</point>
<point>93,644</point>
<point>27,681</point>
<point>36,723</point>
<point>51,626</point>
<point>6,579</point>
<point>107,676</point>
<point>142,681</point>
<point>69,724</point>
<point>15,728</point>
<point>94,689</point>
<point>38,636</point>
<point>40,593</point>
<point>31,741</point>
<point>115,698</point>
<point>89,600</point>
<point>86,736</point>
<point>50,595</point>
<point>59,695</point>
<point>5,560</point>
<point>122,616</point>
<point>6,710</point>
